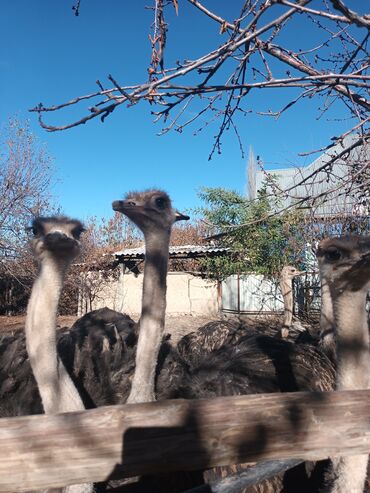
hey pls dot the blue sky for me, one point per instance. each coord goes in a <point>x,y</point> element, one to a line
<point>47,54</point>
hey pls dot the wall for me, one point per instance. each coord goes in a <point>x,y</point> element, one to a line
<point>186,294</point>
<point>255,294</point>
<point>251,294</point>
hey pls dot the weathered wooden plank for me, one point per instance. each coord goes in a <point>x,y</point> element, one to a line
<point>49,451</point>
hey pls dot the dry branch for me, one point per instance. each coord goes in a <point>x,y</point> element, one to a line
<point>252,55</point>
<point>105,443</point>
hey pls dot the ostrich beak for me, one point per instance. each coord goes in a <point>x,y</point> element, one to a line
<point>181,217</point>
<point>117,205</point>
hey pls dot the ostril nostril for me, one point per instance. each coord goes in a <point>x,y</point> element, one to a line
<point>121,205</point>
<point>56,236</point>
<point>117,205</point>
<point>59,240</point>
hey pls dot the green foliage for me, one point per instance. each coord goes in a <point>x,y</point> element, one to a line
<point>263,246</point>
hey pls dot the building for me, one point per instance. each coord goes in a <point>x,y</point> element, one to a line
<point>188,291</point>
<point>314,183</point>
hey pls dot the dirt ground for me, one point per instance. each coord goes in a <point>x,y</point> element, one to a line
<point>182,325</point>
<point>177,326</point>
<point>9,324</point>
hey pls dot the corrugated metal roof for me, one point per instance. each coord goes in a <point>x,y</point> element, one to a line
<point>174,250</point>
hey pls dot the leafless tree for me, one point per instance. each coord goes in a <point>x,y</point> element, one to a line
<point>96,268</point>
<point>25,178</point>
<point>254,54</point>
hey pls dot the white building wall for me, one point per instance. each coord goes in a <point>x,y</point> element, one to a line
<point>252,293</point>
<point>191,295</point>
<point>186,294</point>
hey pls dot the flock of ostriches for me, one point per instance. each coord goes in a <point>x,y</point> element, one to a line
<point>106,358</point>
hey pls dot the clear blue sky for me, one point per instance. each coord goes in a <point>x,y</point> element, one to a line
<point>49,55</point>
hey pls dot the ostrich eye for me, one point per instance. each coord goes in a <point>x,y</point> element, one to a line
<point>34,230</point>
<point>77,231</point>
<point>333,255</point>
<point>160,202</point>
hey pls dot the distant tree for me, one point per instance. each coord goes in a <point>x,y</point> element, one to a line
<point>264,246</point>
<point>96,266</point>
<point>26,171</point>
<point>188,233</point>
<point>116,232</point>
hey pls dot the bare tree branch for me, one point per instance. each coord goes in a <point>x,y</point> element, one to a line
<point>350,14</point>
<point>334,70</point>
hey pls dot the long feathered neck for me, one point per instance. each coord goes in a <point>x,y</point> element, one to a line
<point>326,313</point>
<point>352,336</point>
<point>152,316</point>
<point>353,369</point>
<point>56,388</point>
<point>286,286</point>
<point>327,325</point>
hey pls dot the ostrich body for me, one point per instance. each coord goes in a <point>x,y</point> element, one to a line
<point>101,359</point>
<point>97,351</point>
<point>216,334</point>
<point>152,212</point>
<point>345,267</point>
<point>55,245</point>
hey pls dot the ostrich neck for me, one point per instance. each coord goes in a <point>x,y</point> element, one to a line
<point>326,314</point>
<point>58,393</point>
<point>352,341</point>
<point>352,337</point>
<point>286,287</point>
<point>152,317</point>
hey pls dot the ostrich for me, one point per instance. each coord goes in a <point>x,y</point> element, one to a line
<point>153,213</point>
<point>345,279</point>
<point>345,268</point>
<point>55,245</point>
<point>288,273</point>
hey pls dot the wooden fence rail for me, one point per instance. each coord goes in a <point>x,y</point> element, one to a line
<point>50,451</point>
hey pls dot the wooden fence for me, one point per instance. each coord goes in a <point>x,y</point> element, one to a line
<point>109,442</point>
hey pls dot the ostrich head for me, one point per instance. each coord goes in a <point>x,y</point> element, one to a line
<point>288,272</point>
<point>150,210</point>
<point>345,262</point>
<point>57,236</point>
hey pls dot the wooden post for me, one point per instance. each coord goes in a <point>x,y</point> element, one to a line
<point>50,451</point>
